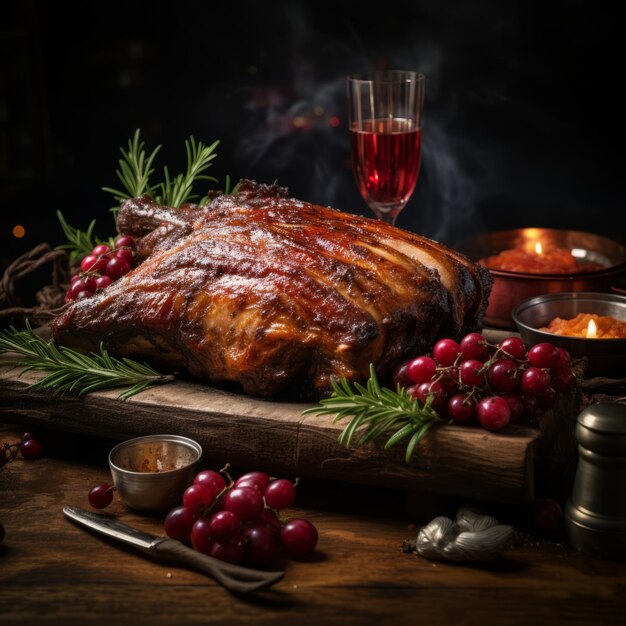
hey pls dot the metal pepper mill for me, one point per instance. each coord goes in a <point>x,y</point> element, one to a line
<point>595,515</point>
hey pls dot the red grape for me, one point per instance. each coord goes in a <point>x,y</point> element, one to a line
<point>546,399</point>
<point>198,497</point>
<point>100,496</point>
<point>562,378</point>
<point>543,355</point>
<point>434,390</point>
<point>258,480</point>
<point>260,545</point>
<point>231,552</point>
<point>413,391</point>
<point>116,268</point>
<point>474,346</point>
<point>125,241</point>
<point>100,249</point>
<point>516,405</point>
<point>225,526</point>
<point>212,479</point>
<point>493,413</point>
<point>76,288</point>
<point>84,294</point>
<point>530,405</point>
<point>461,408</point>
<point>514,347</point>
<point>280,494</point>
<point>422,369</point>
<point>471,373</point>
<point>450,381</point>
<point>268,518</point>
<point>201,537</point>
<point>503,375</point>
<point>245,502</point>
<point>88,263</point>
<point>298,537</point>
<point>27,436</point>
<point>31,449</point>
<point>446,352</point>
<point>179,522</point>
<point>564,357</point>
<point>535,381</point>
<point>74,279</point>
<point>547,516</point>
<point>92,263</point>
<point>401,376</point>
<point>126,254</point>
<point>90,283</point>
<point>102,282</point>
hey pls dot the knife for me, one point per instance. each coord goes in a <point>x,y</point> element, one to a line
<point>232,577</point>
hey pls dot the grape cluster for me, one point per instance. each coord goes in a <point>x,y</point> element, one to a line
<point>100,268</point>
<point>474,380</point>
<point>238,522</point>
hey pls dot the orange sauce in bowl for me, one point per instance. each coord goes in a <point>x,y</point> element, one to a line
<point>555,261</point>
<point>606,327</point>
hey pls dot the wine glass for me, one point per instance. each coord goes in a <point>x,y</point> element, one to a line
<point>385,109</point>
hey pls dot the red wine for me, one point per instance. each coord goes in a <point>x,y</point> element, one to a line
<point>386,159</point>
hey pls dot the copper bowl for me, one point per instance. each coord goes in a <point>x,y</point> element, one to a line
<point>511,288</point>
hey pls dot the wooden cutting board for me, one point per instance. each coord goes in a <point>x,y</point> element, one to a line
<point>276,437</point>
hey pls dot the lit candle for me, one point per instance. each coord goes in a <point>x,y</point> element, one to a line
<point>538,248</point>
<point>592,330</point>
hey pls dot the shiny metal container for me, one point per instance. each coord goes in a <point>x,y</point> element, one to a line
<point>511,288</point>
<point>151,473</point>
<point>605,357</point>
<point>595,515</point>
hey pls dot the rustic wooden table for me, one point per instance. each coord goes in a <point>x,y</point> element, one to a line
<point>54,572</point>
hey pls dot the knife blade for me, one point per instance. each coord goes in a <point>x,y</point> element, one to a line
<point>233,577</point>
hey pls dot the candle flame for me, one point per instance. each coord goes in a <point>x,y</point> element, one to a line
<point>538,248</point>
<point>592,330</point>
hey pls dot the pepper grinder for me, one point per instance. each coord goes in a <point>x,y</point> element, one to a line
<point>595,515</point>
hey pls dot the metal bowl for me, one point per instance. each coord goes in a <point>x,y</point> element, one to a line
<point>151,473</point>
<point>606,357</point>
<point>511,288</point>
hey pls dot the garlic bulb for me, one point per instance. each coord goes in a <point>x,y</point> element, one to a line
<point>472,537</point>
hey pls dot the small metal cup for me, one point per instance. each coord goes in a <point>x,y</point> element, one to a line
<point>151,473</point>
<point>595,515</point>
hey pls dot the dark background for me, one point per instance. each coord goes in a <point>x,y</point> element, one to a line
<point>523,121</point>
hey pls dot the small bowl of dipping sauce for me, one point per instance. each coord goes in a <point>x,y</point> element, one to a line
<point>151,473</point>
<point>585,324</point>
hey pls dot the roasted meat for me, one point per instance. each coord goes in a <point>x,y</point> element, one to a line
<point>276,293</point>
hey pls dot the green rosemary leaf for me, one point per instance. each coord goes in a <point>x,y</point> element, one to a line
<point>415,440</point>
<point>79,243</point>
<point>134,169</point>
<point>399,435</point>
<point>72,372</point>
<point>375,412</point>
<point>178,190</point>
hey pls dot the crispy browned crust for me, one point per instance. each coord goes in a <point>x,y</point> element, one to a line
<point>273,292</point>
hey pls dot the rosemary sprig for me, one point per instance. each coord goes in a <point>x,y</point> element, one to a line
<point>135,169</point>
<point>376,412</point>
<point>178,190</point>
<point>70,372</point>
<point>79,243</point>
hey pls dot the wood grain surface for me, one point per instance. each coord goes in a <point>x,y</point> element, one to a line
<point>276,437</point>
<point>54,572</point>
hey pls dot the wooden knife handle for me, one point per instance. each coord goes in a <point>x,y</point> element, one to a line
<point>232,577</point>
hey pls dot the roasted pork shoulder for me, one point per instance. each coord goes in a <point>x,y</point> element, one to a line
<point>275,293</point>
